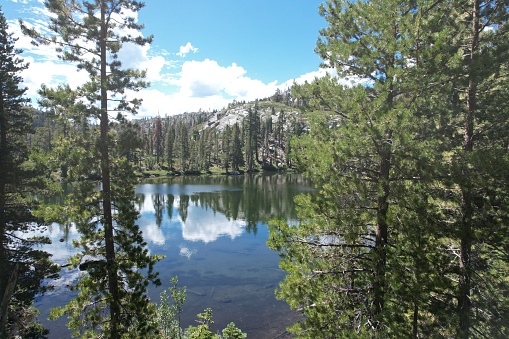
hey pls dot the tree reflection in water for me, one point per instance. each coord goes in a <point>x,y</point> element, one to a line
<point>212,230</point>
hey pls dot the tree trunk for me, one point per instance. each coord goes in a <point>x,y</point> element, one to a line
<point>106,187</point>
<point>6,299</point>
<point>466,234</point>
<point>382,230</point>
<point>415,320</point>
<point>3,162</point>
<point>4,284</point>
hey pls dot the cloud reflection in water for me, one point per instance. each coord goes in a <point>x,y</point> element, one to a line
<point>197,222</point>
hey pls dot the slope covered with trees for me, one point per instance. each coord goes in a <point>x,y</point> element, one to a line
<point>250,137</point>
<point>242,137</point>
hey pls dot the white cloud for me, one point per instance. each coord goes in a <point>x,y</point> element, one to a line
<point>309,77</point>
<point>204,85</point>
<point>176,86</point>
<point>201,79</point>
<point>43,52</point>
<point>153,234</point>
<point>206,78</point>
<point>157,102</point>
<point>136,57</point>
<point>184,50</point>
<point>51,74</point>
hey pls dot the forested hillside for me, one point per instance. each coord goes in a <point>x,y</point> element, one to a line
<point>244,137</point>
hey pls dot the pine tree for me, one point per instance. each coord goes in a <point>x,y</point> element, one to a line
<point>216,146</point>
<point>354,245</point>
<point>182,146</point>
<point>251,134</point>
<point>266,132</point>
<point>195,161</point>
<point>170,145</point>
<point>472,88</point>
<point>256,131</point>
<point>112,295</point>
<point>226,146</point>
<point>408,236</point>
<point>204,149</point>
<point>23,266</point>
<point>129,142</point>
<point>279,132</point>
<point>236,149</point>
<point>158,139</point>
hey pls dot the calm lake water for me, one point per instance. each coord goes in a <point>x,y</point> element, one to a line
<point>213,232</point>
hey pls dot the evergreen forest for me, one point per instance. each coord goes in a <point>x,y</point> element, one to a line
<point>407,237</point>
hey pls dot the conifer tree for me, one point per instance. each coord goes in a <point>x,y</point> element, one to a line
<point>407,238</point>
<point>204,149</point>
<point>280,128</point>
<point>22,265</point>
<point>251,134</point>
<point>237,157</point>
<point>170,145</point>
<point>112,296</point>
<point>182,145</point>
<point>158,139</point>
<point>472,88</point>
<point>353,246</point>
<point>195,161</point>
<point>129,142</point>
<point>226,146</point>
<point>266,132</point>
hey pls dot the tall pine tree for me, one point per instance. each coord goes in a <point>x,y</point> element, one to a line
<point>170,145</point>
<point>236,149</point>
<point>158,139</point>
<point>351,258</point>
<point>112,295</point>
<point>226,147</point>
<point>471,96</point>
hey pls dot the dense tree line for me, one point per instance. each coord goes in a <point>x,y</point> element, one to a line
<point>408,237</point>
<point>193,142</point>
<point>198,142</point>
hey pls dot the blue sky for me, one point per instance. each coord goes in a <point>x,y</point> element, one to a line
<point>205,53</point>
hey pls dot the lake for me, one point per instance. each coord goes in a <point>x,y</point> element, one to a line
<point>212,231</point>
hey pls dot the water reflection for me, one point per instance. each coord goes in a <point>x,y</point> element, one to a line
<point>212,231</point>
<point>242,200</point>
<point>197,220</point>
